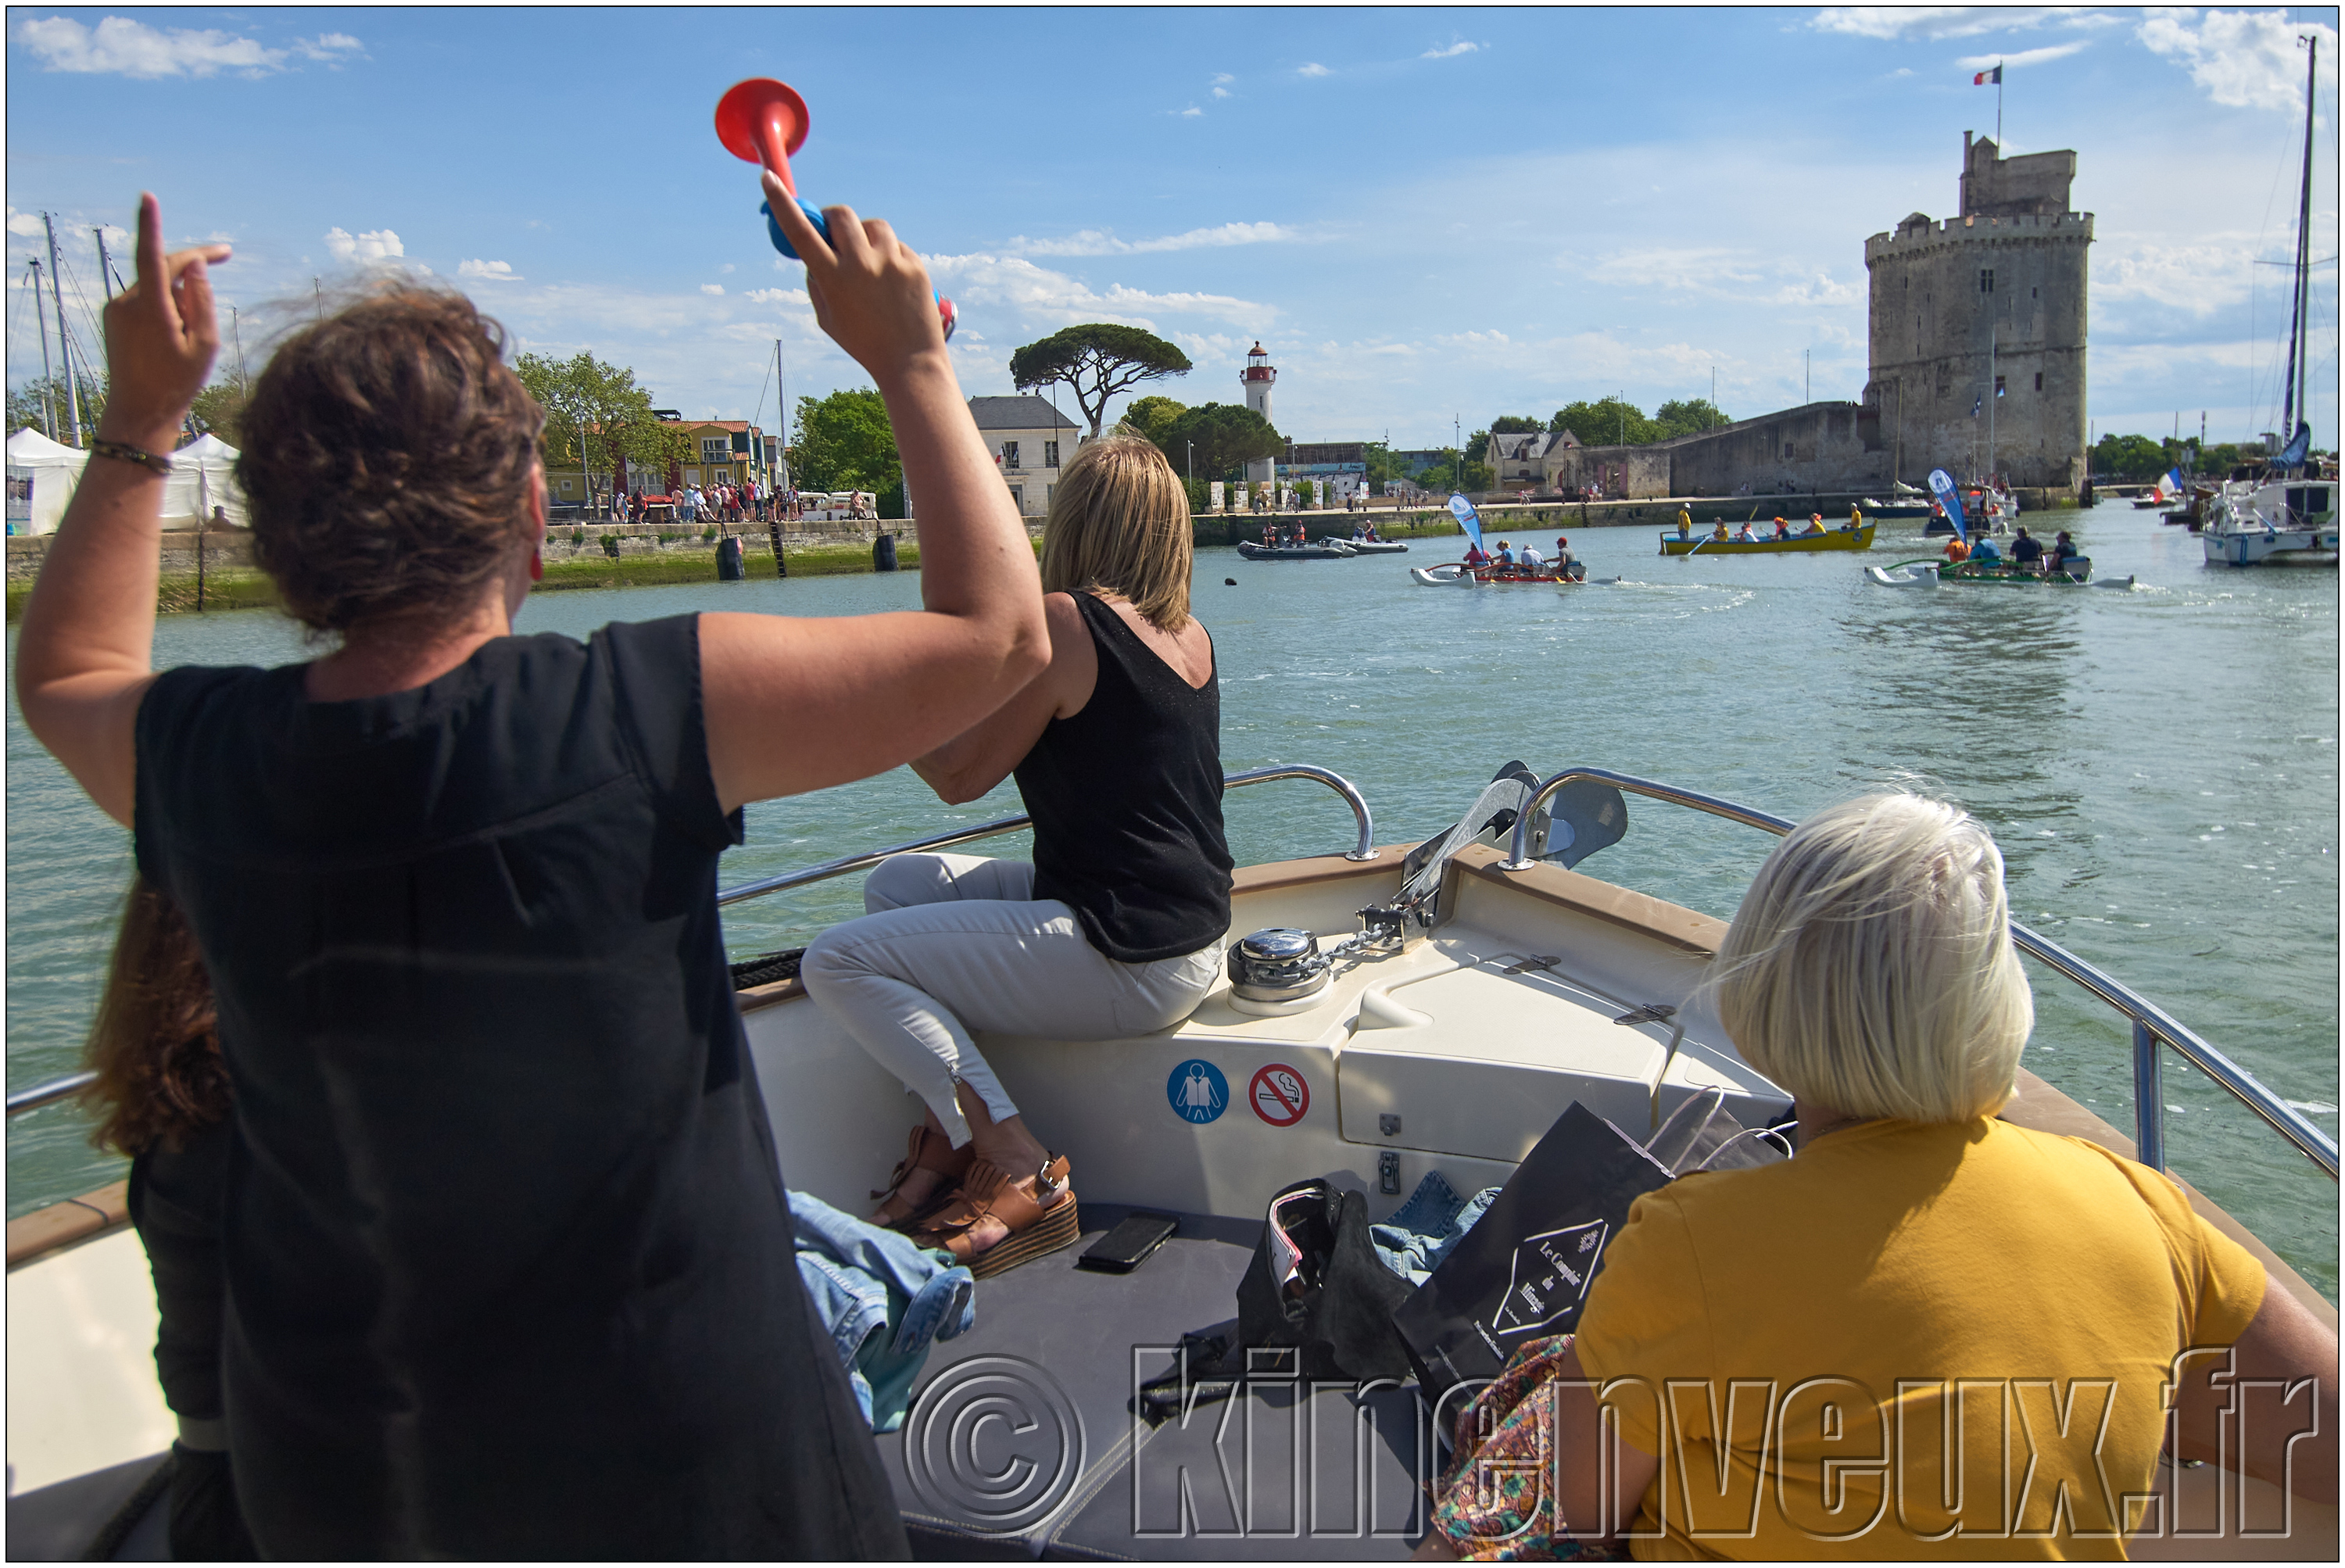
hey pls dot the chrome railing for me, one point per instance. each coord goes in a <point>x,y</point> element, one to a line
<point>2152,1025</point>
<point>50,1093</point>
<point>1363,850</point>
<point>846,865</point>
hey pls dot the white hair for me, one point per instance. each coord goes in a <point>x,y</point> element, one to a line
<point>1870,967</point>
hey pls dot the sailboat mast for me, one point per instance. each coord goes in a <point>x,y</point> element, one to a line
<point>65,343</point>
<point>2304,238</point>
<point>49,376</point>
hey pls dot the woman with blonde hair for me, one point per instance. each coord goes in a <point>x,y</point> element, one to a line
<point>1790,1352</point>
<point>1116,926</point>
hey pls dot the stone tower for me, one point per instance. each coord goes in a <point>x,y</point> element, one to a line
<point>2004,281</point>
<point>1257,378</point>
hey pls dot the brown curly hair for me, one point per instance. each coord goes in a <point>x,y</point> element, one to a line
<point>388,459</point>
<point>156,1043</point>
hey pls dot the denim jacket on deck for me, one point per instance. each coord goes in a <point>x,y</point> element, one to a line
<point>883,1300</point>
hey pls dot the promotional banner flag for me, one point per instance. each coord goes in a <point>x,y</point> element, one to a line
<point>1463,510</point>
<point>1942,484</point>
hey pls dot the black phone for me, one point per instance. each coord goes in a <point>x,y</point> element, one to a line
<point>1125,1248</point>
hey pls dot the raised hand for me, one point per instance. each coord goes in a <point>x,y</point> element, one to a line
<point>870,291</point>
<point>161,338</point>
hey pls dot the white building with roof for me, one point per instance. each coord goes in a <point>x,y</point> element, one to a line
<point>1029,441</point>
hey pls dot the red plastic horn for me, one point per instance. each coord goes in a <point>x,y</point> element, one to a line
<point>763,121</point>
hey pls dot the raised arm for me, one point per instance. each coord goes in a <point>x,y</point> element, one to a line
<point>796,704</point>
<point>83,657</point>
<point>972,762</point>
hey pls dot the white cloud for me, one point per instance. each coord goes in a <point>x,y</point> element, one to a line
<point>2025,57</point>
<point>27,224</point>
<point>2241,59</point>
<point>1013,283</point>
<point>120,46</point>
<point>1097,242</point>
<point>2201,276</point>
<point>1891,22</point>
<point>488,272</point>
<point>1460,48</point>
<point>726,268</point>
<point>781,297</point>
<point>1190,113</point>
<point>1222,76</point>
<point>1313,69</point>
<point>1221,92</point>
<point>712,288</point>
<point>373,246</point>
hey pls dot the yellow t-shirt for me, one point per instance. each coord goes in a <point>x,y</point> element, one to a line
<point>1890,1281</point>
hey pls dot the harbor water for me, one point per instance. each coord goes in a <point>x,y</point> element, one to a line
<point>2159,766</point>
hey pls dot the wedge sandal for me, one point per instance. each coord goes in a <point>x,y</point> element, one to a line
<point>1040,1211</point>
<point>929,1150</point>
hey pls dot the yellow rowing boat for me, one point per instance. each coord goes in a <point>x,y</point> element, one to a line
<point>1840,538</point>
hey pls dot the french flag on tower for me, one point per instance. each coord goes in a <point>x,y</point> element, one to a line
<point>1985,77</point>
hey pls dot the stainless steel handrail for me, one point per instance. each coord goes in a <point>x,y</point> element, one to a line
<point>50,1093</point>
<point>1363,850</point>
<point>2151,1025</point>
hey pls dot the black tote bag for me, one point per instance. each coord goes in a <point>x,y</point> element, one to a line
<point>1316,1284</point>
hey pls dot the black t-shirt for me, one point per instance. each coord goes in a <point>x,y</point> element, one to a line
<point>510,1271</point>
<point>1126,798</point>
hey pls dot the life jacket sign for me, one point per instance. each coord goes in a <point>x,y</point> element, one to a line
<point>1550,1277</point>
<point>1197,1091</point>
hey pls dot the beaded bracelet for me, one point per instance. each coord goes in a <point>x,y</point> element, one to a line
<point>123,451</point>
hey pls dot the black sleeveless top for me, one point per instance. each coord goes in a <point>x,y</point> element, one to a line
<point>1126,798</point>
<point>510,1271</point>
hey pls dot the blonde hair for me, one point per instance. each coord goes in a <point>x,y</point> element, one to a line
<point>1870,967</point>
<point>1119,520</point>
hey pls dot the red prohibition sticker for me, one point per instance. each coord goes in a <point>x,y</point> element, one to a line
<point>1280,1095</point>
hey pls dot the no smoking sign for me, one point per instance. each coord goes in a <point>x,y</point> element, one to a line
<point>1280,1095</point>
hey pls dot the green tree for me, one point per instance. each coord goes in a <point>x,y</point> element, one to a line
<point>1096,361</point>
<point>1686,418</point>
<point>1227,437</point>
<point>845,443</point>
<point>1515,424</point>
<point>1608,421</point>
<point>596,414</point>
<point>1474,473</point>
<point>2129,457</point>
<point>219,410</point>
<point>1153,417</point>
<point>24,402</point>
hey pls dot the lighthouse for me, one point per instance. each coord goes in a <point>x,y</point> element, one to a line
<point>1257,378</point>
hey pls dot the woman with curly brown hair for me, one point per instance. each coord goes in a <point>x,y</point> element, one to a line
<point>162,1098</point>
<point>510,1270</point>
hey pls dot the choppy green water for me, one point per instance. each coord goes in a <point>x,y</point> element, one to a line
<point>2161,767</point>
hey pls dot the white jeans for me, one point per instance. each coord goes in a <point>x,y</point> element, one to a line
<point>957,942</point>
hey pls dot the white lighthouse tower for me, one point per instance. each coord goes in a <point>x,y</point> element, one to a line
<point>1257,378</point>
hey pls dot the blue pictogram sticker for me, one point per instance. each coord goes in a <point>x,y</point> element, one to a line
<point>1198,1091</point>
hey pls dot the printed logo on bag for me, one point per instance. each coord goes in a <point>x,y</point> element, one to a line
<point>1197,1091</point>
<point>1550,1277</point>
<point>1280,1095</point>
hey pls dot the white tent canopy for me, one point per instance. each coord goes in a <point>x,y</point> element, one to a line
<point>41,475</point>
<point>203,476</point>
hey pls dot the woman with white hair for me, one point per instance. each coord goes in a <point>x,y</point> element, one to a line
<point>1791,1352</point>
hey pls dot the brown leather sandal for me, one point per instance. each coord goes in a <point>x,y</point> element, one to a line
<point>1038,1209</point>
<point>929,1150</point>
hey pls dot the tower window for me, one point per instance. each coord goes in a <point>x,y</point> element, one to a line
<point>1998,386</point>
<point>2039,381</point>
<point>2031,293</point>
<point>1986,280</point>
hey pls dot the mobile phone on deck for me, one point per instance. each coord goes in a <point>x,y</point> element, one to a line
<point>1125,1248</point>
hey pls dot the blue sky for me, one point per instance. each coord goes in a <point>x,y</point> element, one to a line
<point>1422,214</point>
